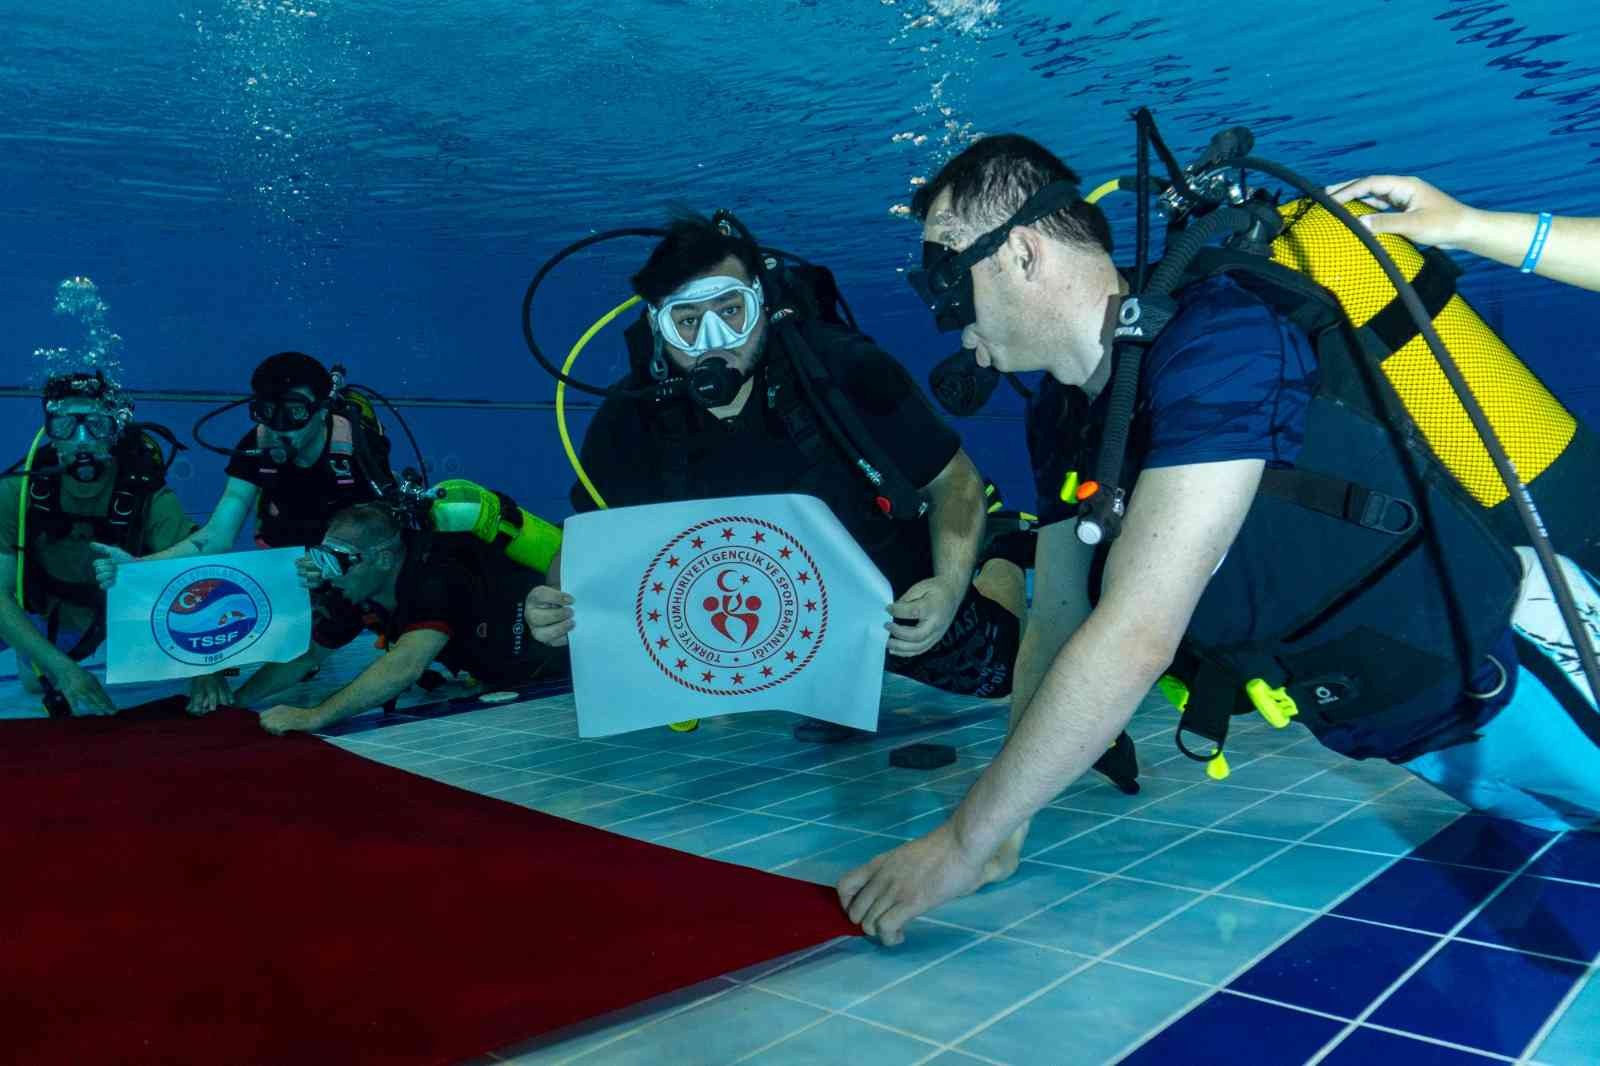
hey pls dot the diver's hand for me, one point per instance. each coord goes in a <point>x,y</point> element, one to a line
<point>930,606</point>
<point>207,692</point>
<point>1425,215</point>
<point>308,572</point>
<point>84,694</point>
<point>549,615</point>
<point>911,880</point>
<point>107,558</point>
<point>285,719</point>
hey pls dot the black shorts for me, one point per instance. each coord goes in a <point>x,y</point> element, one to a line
<point>977,654</point>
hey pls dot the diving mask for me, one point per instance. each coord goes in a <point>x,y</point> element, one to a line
<point>712,314</point>
<point>284,413</point>
<point>945,281</point>
<point>334,558</point>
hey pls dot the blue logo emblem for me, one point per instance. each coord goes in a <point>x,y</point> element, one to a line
<point>209,614</point>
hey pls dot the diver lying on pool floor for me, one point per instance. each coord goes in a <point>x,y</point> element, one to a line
<point>445,597</point>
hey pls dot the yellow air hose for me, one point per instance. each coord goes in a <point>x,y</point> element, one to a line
<point>566,438</point>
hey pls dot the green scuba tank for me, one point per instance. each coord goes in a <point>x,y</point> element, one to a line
<point>460,506</point>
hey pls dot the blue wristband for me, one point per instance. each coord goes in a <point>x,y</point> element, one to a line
<point>1541,234</point>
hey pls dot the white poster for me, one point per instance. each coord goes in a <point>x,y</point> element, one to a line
<point>708,607</point>
<point>178,618</point>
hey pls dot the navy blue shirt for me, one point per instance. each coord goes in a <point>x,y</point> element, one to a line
<point>1229,379</point>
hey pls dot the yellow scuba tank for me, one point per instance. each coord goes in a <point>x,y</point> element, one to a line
<point>460,506</point>
<point>1532,424</point>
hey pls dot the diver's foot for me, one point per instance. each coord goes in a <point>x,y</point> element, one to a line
<point>1003,863</point>
<point>1121,764</point>
<point>816,731</point>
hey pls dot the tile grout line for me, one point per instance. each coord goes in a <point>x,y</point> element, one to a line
<point>1559,1013</point>
<point>1442,941</point>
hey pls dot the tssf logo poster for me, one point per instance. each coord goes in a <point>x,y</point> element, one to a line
<point>182,617</point>
<point>687,610</point>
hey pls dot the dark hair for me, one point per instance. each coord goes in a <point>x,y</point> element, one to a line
<point>692,246</point>
<point>288,370</point>
<point>994,176</point>
<point>367,523</point>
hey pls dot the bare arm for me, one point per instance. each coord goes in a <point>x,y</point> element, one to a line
<point>221,529</point>
<point>1154,577</point>
<point>83,691</point>
<point>955,520</point>
<point>273,678</point>
<point>1429,216</point>
<point>1180,523</point>
<point>386,678</point>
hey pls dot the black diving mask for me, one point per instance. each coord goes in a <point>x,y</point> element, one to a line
<point>284,414</point>
<point>97,425</point>
<point>944,283</point>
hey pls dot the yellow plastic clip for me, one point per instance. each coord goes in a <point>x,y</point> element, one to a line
<point>1217,768</point>
<point>1275,704</point>
<point>1069,487</point>
<point>1176,692</point>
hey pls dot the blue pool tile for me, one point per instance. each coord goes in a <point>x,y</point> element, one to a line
<point>1274,772</point>
<point>1211,940</point>
<point>843,1039</point>
<point>799,842</point>
<point>1354,780</point>
<point>1201,806</point>
<point>1479,997</point>
<point>1050,826</point>
<point>1205,861</point>
<point>1287,817</point>
<point>1390,830</point>
<point>605,815</point>
<point>1089,1018</point>
<point>672,820</point>
<point>1575,857</point>
<point>721,1030</point>
<point>1033,887</point>
<point>1422,895</point>
<point>1552,917</point>
<point>1114,845</point>
<point>881,815</point>
<point>952,998</point>
<point>1102,915</point>
<point>1102,797</point>
<point>826,867</point>
<point>850,970</point>
<point>1475,840</point>
<point>1576,1036</point>
<point>1334,965</point>
<point>739,829</point>
<point>1226,1030</point>
<point>775,790</point>
<point>1308,876</point>
<point>1364,1047</point>
<point>716,785</point>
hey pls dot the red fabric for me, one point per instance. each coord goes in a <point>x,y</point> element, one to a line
<point>193,890</point>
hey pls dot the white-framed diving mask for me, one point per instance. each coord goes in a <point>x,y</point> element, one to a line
<point>727,313</point>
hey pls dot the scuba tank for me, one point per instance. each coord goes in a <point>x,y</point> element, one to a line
<point>461,506</point>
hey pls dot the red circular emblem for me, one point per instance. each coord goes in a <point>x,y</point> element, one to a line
<point>732,605</point>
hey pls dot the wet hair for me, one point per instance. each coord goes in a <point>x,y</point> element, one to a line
<point>994,176</point>
<point>365,524</point>
<point>289,370</point>
<point>692,246</point>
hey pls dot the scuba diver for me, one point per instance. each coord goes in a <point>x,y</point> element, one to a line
<point>725,328</point>
<point>447,597</point>
<point>93,474</point>
<point>1300,528</point>
<point>315,449</point>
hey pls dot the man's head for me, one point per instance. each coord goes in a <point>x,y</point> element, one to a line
<point>1042,282</point>
<point>289,395</point>
<point>705,305</point>
<point>84,415</point>
<point>362,551</point>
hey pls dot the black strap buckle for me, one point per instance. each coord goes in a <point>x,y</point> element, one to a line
<point>1388,514</point>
